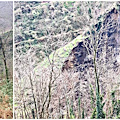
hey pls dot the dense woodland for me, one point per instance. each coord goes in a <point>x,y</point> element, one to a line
<point>6,61</point>
<point>67,61</point>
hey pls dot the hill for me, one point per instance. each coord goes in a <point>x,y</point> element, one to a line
<point>66,59</point>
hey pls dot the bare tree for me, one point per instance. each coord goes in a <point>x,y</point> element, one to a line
<point>53,77</point>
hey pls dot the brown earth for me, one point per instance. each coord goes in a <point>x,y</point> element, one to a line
<point>5,109</point>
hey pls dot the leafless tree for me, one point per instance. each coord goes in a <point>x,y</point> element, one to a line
<point>47,91</point>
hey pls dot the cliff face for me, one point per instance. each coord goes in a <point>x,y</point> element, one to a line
<point>76,57</point>
<point>109,38</point>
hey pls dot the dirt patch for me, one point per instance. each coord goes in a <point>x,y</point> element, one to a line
<point>5,108</point>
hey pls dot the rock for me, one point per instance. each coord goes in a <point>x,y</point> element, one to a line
<point>80,52</point>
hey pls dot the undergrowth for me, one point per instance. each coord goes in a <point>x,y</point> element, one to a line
<point>7,89</point>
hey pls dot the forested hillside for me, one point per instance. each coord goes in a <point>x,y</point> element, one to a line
<point>67,60</point>
<point>36,22</point>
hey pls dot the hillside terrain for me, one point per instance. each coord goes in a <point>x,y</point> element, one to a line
<point>67,60</point>
<point>6,60</point>
<point>6,88</point>
<point>34,20</point>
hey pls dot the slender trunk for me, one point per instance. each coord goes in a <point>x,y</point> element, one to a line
<point>49,90</point>
<point>97,88</point>
<point>79,110</point>
<point>25,110</point>
<point>33,113</point>
<point>4,60</point>
<point>33,96</point>
<point>59,109</point>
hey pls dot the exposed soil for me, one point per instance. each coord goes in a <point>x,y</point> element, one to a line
<point>5,107</point>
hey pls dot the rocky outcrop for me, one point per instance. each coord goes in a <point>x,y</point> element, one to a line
<point>111,28</point>
<point>79,60</point>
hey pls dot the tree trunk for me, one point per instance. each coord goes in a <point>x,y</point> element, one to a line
<point>4,60</point>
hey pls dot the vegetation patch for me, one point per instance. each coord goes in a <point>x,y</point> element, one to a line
<point>62,53</point>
